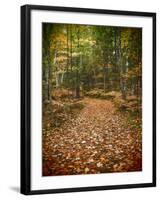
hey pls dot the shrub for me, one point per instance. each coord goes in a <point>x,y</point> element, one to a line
<point>119,103</point>
<point>131,98</point>
<point>112,95</point>
<point>94,93</point>
<point>97,93</point>
<point>61,93</point>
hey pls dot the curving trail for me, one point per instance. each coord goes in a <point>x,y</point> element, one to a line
<point>97,140</point>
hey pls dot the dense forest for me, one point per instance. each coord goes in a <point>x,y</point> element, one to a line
<point>91,75</point>
<point>81,58</point>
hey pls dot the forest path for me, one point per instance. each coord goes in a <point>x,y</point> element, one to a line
<point>97,140</point>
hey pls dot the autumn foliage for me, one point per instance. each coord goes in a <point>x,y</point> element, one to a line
<point>92,99</point>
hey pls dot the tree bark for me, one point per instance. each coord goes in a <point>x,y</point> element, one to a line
<point>77,89</point>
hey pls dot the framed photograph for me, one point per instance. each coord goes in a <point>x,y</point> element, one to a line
<point>88,99</point>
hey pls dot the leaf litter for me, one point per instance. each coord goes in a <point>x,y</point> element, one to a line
<point>95,139</point>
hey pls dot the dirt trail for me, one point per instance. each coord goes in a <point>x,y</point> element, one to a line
<point>96,141</point>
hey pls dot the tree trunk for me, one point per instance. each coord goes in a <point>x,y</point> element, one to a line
<point>62,76</point>
<point>57,80</point>
<point>72,88</point>
<point>122,81</point>
<point>49,76</point>
<point>104,79</point>
<point>77,88</point>
<point>67,63</point>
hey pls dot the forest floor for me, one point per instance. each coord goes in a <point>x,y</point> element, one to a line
<point>94,138</point>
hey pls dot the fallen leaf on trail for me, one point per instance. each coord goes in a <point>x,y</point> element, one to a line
<point>99,164</point>
<point>98,139</point>
<point>86,170</point>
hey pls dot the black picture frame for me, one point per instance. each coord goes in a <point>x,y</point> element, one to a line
<point>26,98</point>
